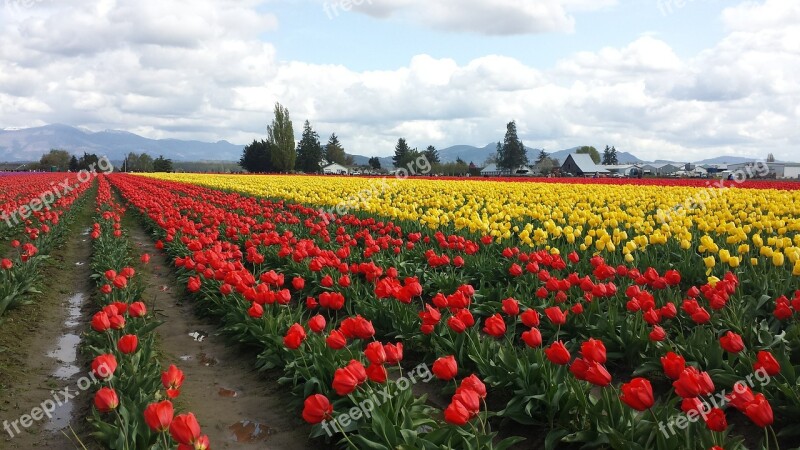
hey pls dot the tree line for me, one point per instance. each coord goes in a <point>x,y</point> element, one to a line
<point>59,160</point>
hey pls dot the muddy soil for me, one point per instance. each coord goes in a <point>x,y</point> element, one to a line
<point>238,407</point>
<point>39,355</point>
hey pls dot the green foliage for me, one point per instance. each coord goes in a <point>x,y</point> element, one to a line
<point>162,164</point>
<point>375,163</point>
<point>58,159</point>
<point>432,155</point>
<point>512,153</point>
<point>281,136</point>
<point>610,156</point>
<point>309,151</point>
<point>591,151</point>
<point>403,154</point>
<point>334,152</point>
<point>257,157</point>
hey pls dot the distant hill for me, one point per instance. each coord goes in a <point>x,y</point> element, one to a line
<point>31,143</point>
<point>726,160</point>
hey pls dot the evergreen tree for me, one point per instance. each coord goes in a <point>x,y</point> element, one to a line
<point>257,157</point>
<point>402,153</point>
<point>334,152</point>
<point>607,156</point>
<point>73,164</point>
<point>513,153</point>
<point>309,151</point>
<point>613,156</point>
<point>162,164</point>
<point>432,155</point>
<point>542,156</point>
<point>375,163</point>
<point>280,135</point>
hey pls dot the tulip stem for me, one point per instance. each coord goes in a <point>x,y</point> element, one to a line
<point>774,435</point>
<point>344,434</point>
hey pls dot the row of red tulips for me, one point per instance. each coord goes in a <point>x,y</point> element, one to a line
<point>33,227</point>
<point>236,254</point>
<point>133,406</point>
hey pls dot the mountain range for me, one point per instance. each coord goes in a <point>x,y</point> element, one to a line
<point>29,144</point>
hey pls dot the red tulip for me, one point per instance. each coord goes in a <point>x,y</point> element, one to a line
<point>715,420</point>
<point>731,342</point>
<point>255,311</point>
<point>638,394</point>
<point>594,350</point>
<point>336,340</point>
<point>693,383</point>
<point>317,323</point>
<point>104,366</point>
<point>455,324</point>
<point>346,379</point>
<point>375,353</point>
<point>767,363</point>
<point>294,337</point>
<point>556,316</point>
<point>515,270</point>
<point>100,322</point>
<point>185,429</point>
<point>657,334</point>
<point>445,368</point>
<point>298,283</point>
<point>759,411</point>
<point>158,416</point>
<point>120,282</point>
<point>377,373</point>
<point>317,408</point>
<point>145,258</point>
<point>597,374</point>
<point>530,318</point>
<point>475,384</point>
<point>510,306</point>
<point>532,338</point>
<point>6,264</point>
<point>557,353</point>
<point>117,322</point>
<point>172,380</point>
<point>741,396</point>
<point>137,309</point>
<point>106,400</point>
<point>456,414</point>
<point>579,368</point>
<point>494,326</point>
<point>127,344</point>
<point>394,353</point>
<point>673,365</point>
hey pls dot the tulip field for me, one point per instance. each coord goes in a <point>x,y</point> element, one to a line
<point>429,313</point>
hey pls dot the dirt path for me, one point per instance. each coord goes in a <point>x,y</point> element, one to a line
<point>39,350</point>
<point>236,405</point>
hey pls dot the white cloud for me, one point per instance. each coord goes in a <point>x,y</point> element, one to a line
<point>491,17</point>
<point>199,70</point>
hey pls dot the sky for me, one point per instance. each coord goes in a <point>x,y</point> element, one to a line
<point>662,79</point>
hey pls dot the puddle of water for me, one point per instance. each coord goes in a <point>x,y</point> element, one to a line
<point>227,393</point>
<point>198,336</point>
<point>186,358</point>
<point>206,360</point>
<point>247,431</point>
<point>62,416</point>
<point>163,288</point>
<point>79,263</point>
<point>86,232</point>
<point>66,353</point>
